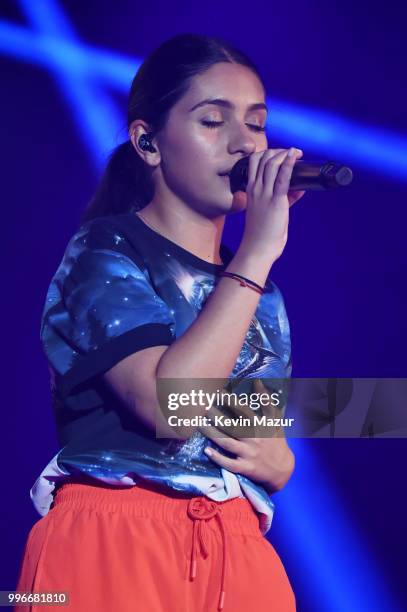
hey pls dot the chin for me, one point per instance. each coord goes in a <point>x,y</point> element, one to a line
<point>227,205</point>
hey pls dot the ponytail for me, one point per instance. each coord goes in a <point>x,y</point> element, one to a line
<point>126,183</point>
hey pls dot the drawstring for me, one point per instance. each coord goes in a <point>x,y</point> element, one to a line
<point>201,510</point>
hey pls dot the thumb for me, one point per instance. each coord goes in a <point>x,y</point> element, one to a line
<point>239,199</point>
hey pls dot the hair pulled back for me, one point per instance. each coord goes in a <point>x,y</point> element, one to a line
<point>162,79</point>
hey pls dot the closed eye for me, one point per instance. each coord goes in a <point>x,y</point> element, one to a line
<point>215,124</point>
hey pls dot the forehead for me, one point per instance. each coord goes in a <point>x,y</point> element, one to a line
<point>233,82</point>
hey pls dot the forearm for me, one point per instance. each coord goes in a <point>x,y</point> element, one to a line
<point>211,345</point>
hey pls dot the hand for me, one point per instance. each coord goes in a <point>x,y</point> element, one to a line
<point>268,461</point>
<point>268,200</point>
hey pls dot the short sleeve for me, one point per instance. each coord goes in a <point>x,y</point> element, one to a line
<point>273,318</point>
<point>100,306</point>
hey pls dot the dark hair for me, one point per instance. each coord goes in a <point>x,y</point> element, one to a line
<point>160,82</point>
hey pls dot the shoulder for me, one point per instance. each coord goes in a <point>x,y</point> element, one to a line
<point>107,231</point>
<point>100,242</point>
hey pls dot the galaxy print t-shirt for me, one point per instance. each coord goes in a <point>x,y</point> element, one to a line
<point>121,287</point>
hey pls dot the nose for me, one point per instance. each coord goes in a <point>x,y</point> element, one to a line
<point>241,140</point>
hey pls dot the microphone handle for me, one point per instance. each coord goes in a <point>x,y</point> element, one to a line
<point>306,176</point>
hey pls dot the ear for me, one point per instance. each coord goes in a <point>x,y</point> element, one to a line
<point>136,129</point>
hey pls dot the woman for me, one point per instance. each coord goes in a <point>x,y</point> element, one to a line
<point>132,521</point>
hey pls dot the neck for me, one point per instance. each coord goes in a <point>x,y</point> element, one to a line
<point>187,228</point>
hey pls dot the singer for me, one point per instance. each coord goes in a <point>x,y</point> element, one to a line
<point>146,290</point>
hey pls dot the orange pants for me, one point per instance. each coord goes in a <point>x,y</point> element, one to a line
<point>140,549</point>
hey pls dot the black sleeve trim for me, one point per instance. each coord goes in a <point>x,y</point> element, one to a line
<point>105,357</point>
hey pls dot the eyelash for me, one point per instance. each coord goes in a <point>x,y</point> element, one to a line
<point>215,124</point>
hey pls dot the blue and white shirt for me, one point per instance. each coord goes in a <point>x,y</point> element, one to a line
<point>121,287</point>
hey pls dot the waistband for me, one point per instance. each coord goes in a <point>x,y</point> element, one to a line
<point>154,500</point>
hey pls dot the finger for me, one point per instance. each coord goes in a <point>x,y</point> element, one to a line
<point>217,428</point>
<point>228,443</point>
<point>237,425</point>
<point>233,465</point>
<point>270,173</point>
<point>236,415</point>
<point>294,194</point>
<point>240,197</point>
<point>231,401</point>
<point>282,181</point>
<point>254,161</point>
<point>272,168</point>
<point>269,154</point>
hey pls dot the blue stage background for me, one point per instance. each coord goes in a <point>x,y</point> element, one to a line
<point>333,74</point>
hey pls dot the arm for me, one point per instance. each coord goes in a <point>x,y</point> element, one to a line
<point>220,329</point>
<point>222,322</point>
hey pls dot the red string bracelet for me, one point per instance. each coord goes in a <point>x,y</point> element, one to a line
<point>244,282</point>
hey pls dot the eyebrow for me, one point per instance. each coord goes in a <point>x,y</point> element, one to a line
<point>227,104</point>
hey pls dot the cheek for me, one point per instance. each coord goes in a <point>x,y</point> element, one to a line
<point>198,152</point>
<point>187,162</point>
<point>203,144</point>
<point>191,145</point>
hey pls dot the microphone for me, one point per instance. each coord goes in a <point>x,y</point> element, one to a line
<point>306,176</point>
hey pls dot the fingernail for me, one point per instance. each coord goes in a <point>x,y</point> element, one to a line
<point>208,451</point>
<point>291,152</point>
